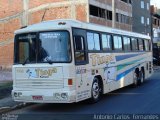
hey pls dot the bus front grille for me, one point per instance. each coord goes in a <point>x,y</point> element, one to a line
<point>54,84</point>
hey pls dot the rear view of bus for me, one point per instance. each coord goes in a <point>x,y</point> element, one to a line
<point>42,70</point>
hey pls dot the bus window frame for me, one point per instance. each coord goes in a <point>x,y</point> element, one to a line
<point>85,45</point>
<point>130,43</point>
<point>118,51</point>
<point>81,51</point>
<point>142,39</point>
<point>137,44</point>
<point>38,38</point>
<point>106,51</point>
<point>17,49</point>
<point>100,42</point>
<point>69,41</point>
<point>149,45</point>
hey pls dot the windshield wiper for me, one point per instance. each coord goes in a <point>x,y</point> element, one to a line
<point>50,62</point>
<point>25,61</point>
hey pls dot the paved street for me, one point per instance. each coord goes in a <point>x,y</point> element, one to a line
<point>129,100</point>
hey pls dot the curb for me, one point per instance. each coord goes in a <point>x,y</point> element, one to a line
<point>8,109</point>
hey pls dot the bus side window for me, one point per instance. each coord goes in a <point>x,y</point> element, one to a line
<point>146,42</point>
<point>149,45</point>
<point>93,40</point>
<point>127,43</point>
<point>79,49</point>
<point>141,44</point>
<point>134,44</point>
<point>117,43</point>
<point>106,42</point>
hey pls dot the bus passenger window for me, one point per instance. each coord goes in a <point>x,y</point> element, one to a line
<point>141,44</point>
<point>146,42</point>
<point>93,41</point>
<point>127,43</point>
<point>134,44</point>
<point>117,43</point>
<point>106,42</point>
<point>79,49</point>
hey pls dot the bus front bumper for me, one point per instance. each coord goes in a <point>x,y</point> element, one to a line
<point>45,96</point>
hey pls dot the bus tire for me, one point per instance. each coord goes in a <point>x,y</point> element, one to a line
<point>95,91</point>
<point>142,77</point>
<point>135,79</point>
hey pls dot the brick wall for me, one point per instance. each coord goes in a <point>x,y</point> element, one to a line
<point>16,13</point>
<point>10,7</point>
<point>10,20</point>
<point>36,3</point>
<point>123,6</point>
<point>51,14</point>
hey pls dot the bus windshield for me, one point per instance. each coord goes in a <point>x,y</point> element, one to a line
<point>42,47</point>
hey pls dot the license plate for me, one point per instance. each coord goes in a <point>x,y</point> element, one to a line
<point>37,97</point>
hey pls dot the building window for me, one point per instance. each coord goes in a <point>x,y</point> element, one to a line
<point>109,15</point>
<point>148,21</point>
<point>94,10</point>
<point>117,17</point>
<point>142,19</point>
<point>100,12</point>
<point>142,4</point>
<point>147,6</point>
<point>126,1</point>
<point>123,18</point>
<point>130,1</point>
<point>155,21</point>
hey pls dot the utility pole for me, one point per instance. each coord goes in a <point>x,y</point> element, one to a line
<point>113,13</point>
<point>25,13</point>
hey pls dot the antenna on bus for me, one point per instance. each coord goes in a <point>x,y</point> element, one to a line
<point>44,14</point>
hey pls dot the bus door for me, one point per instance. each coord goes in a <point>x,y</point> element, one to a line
<point>81,61</point>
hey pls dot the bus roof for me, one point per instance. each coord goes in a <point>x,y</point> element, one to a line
<point>62,24</point>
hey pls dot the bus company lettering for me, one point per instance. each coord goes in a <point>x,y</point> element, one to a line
<point>45,73</point>
<point>97,59</point>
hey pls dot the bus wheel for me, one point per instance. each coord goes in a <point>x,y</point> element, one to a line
<point>95,91</point>
<point>142,77</point>
<point>135,79</point>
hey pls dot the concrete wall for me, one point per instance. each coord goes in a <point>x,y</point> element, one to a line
<point>120,7</point>
<point>138,12</point>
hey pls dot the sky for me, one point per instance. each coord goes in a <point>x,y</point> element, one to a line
<point>156,3</point>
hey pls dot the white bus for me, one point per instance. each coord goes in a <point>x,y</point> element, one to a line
<point>66,61</point>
